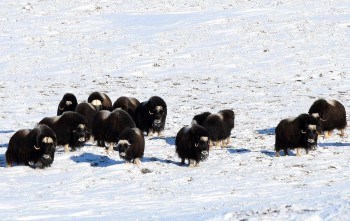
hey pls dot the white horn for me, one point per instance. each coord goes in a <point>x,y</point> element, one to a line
<point>150,112</point>
<point>303,132</point>
<point>124,142</point>
<point>37,148</point>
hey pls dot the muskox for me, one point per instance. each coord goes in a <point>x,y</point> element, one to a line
<point>68,103</point>
<point>129,104</point>
<point>100,100</point>
<point>32,147</point>
<point>70,129</point>
<point>131,145</point>
<point>151,115</point>
<point>218,125</point>
<point>88,111</point>
<point>295,133</point>
<point>107,126</point>
<point>192,143</point>
<point>331,114</point>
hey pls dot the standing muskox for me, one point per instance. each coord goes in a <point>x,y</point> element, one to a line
<point>107,126</point>
<point>299,132</point>
<point>151,115</point>
<point>192,143</point>
<point>129,104</point>
<point>131,145</point>
<point>100,100</point>
<point>332,115</point>
<point>88,111</point>
<point>32,147</point>
<point>70,129</point>
<point>218,125</point>
<point>68,103</point>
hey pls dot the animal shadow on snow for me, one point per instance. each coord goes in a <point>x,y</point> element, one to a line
<point>273,153</point>
<point>168,140</point>
<point>334,144</point>
<point>95,160</point>
<point>267,131</point>
<point>2,160</point>
<point>6,131</point>
<point>153,159</point>
<point>238,150</point>
<point>3,145</point>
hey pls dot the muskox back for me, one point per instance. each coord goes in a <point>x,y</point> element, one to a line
<point>68,103</point>
<point>151,115</point>
<point>192,144</point>
<point>88,111</point>
<point>200,118</point>
<point>332,114</point>
<point>299,132</point>
<point>100,100</point>
<point>131,145</point>
<point>108,125</point>
<point>128,104</point>
<point>70,128</point>
<point>34,147</point>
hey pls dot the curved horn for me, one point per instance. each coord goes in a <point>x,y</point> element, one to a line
<point>37,148</point>
<point>150,113</point>
<point>303,132</point>
<point>196,144</point>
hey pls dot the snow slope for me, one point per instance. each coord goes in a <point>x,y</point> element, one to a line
<point>266,60</point>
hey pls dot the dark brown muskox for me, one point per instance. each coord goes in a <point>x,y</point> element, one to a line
<point>68,103</point>
<point>129,104</point>
<point>70,129</point>
<point>100,100</point>
<point>192,143</point>
<point>218,125</point>
<point>332,115</point>
<point>32,147</point>
<point>107,126</point>
<point>131,145</point>
<point>295,133</point>
<point>151,115</point>
<point>88,111</point>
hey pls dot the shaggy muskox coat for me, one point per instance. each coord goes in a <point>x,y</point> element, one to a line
<point>192,143</point>
<point>151,115</point>
<point>32,147</point>
<point>107,126</point>
<point>299,132</point>
<point>88,111</point>
<point>131,145</point>
<point>129,104</point>
<point>70,129</point>
<point>332,115</point>
<point>100,100</point>
<point>68,103</point>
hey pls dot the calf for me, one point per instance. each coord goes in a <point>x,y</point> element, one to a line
<point>192,143</point>
<point>68,103</point>
<point>332,116</point>
<point>299,132</point>
<point>151,115</point>
<point>107,126</point>
<point>131,145</point>
<point>100,100</point>
<point>32,147</point>
<point>70,129</point>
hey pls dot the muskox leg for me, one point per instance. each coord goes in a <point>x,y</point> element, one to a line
<point>150,132</point>
<point>8,164</point>
<point>342,133</point>
<point>137,161</point>
<point>193,163</point>
<point>66,148</point>
<point>228,141</point>
<point>110,147</point>
<point>307,151</point>
<point>298,152</point>
<point>182,161</point>
<point>211,144</point>
<point>277,153</point>
<point>327,134</point>
<point>160,133</point>
<point>285,152</point>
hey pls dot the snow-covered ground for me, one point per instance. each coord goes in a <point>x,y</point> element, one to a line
<point>266,60</point>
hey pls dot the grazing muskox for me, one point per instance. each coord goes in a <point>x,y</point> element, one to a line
<point>332,115</point>
<point>100,100</point>
<point>32,147</point>
<point>299,132</point>
<point>218,125</point>
<point>131,145</point>
<point>70,129</point>
<point>129,104</point>
<point>68,103</point>
<point>151,115</point>
<point>192,143</point>
<point>88,111</point>
<point>107,126</point>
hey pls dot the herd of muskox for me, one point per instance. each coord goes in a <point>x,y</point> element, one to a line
<point>121,127</point>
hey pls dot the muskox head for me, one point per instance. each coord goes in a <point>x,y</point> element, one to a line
<point>45,147</point>
<point>68,103</point>
<point>122,147</point>
<point>158,115</point>
<point>79,134</point>
<point>202,147</point>
<point>310,133</point>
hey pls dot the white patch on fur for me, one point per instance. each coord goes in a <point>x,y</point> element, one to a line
<point>291,119</point>
<point>332,102</point>
<point>204,139</point>
<point>124,142</point>
<point>81,139</point>
<point>69,103</point>
<point>46,156</point>
<point>220,115</point>
<point>315,115</point>
<point>55,119</point>
<point>312,127</point>
<point>81,126</point>
<point>159,108</point>
<point>96,103</point>
<point>137,131</point>
<point>187,128</point>
<point>47,140</point>
<point>123,154</point>
<point>194,122</point>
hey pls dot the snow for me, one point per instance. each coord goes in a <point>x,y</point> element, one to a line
<point>266,60</point>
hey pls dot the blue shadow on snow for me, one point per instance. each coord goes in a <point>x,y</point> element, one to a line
<point>238,150</point>
<point>6,131</point>
<point>3,145</point>
<point>152,159</point>
<point>2,160</point>
<point>335,144</point>
<point>95,160</point>
<point>267,131</point>
<point>168,140</point>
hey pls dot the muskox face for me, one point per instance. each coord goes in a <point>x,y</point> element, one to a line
<point>46,146</point>
<point>123,146</point>
<point>158,115</point>
<point>202,147</point>
<point>79,134</point>
<point>311,132</point>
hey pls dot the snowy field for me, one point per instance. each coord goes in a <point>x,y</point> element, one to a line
<point>266,60</point>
